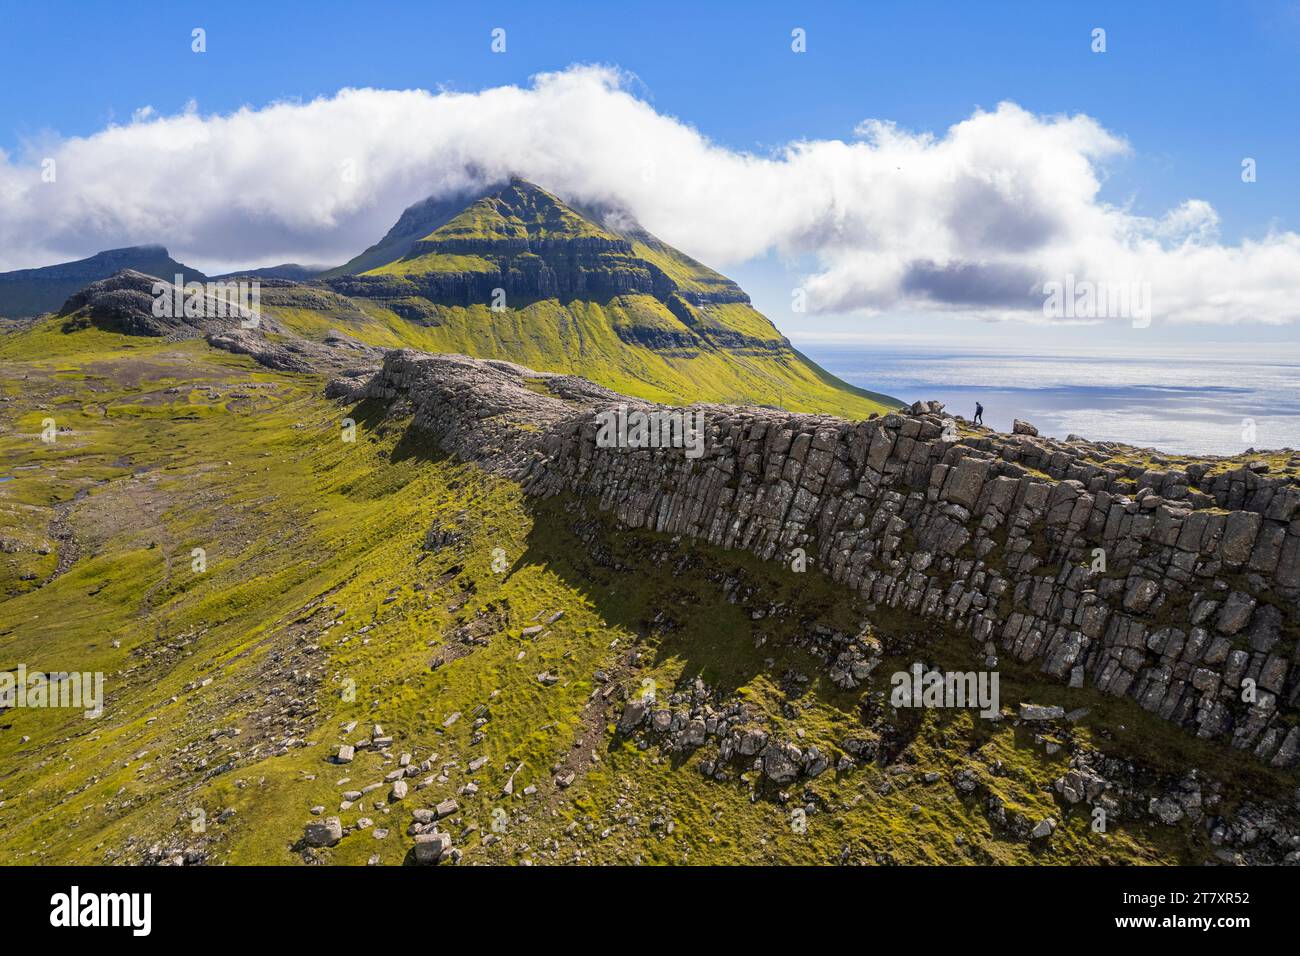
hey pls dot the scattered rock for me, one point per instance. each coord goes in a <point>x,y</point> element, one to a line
<point>327,832</point>
<point>1039,712</point>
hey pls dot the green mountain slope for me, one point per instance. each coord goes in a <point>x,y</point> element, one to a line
<point>415,223</point>
<point>326,606</point>
<point>285,270</point>
<point>519,275</point>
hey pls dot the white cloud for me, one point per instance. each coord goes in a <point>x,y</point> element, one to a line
<point>972,221</point>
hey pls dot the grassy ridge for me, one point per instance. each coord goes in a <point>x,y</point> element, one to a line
<point>582,338</point>
<point>320,605</point>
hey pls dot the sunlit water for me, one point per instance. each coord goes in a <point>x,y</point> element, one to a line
<point>1196,406</point>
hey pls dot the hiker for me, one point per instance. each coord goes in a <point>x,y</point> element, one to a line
<point>979,414</point>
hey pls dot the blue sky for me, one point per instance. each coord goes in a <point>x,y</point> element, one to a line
<point>1193,87</point>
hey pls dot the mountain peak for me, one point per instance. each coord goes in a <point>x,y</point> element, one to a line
<point>517,273</point>
<point>525,239</point>
<point>30,292</point>
<point>520,211</point>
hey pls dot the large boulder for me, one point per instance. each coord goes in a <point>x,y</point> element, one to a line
<point>429,847</point>
<point>1078,785</point>
<point>1239,533</point>
<point>965,481</point>
<point>781,762</point>
<point>1041,712</point>
<point>750,742</point>
<point>1235,613</point>
<point>325,832</point>
<point>634,712</point>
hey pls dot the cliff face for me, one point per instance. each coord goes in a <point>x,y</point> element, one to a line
<point>580,269</point>
<point>1178,589</point>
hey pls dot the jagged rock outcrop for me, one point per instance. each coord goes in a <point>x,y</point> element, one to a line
<point>1173,588</point>
<point>126,303</point>
<point>479,410</point>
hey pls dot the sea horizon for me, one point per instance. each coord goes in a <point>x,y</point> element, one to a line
<point>1180,402</point>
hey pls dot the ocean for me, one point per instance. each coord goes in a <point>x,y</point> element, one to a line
<point>1216,406</point>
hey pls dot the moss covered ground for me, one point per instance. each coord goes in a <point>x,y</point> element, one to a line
<point>322,601</point>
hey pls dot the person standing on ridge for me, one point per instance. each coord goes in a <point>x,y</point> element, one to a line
<point>979,414</point>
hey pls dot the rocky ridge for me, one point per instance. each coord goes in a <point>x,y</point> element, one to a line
<point>1177,588</point>
<point>124,302</point>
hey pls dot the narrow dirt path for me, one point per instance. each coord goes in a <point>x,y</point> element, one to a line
<point>67,546</point>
